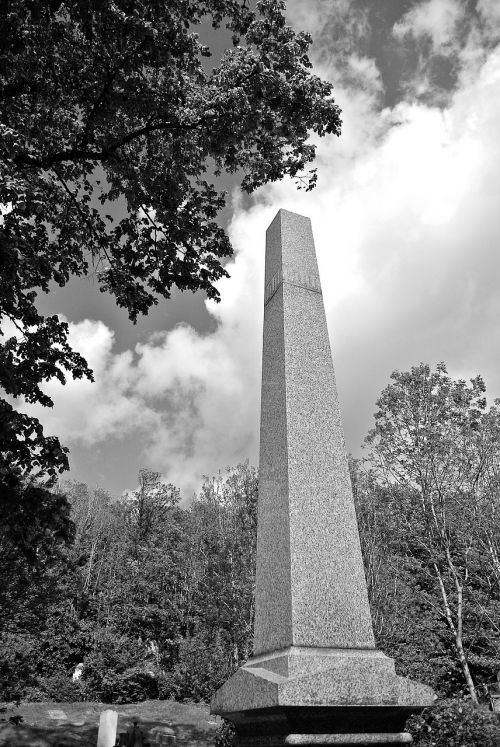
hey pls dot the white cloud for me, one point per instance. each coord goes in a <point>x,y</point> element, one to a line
<point>437,20</point>
<point>88,412</point>
<point>490,12</point>
<point>406,224</point>
<point>343,24</point>
<point>192,401</point>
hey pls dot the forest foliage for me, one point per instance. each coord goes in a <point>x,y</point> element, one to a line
<point>153,598</point>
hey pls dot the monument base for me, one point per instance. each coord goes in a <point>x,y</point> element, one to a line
<point>305,696</point>
<point>322,740</point>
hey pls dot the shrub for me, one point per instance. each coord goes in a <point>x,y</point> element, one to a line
<point>17,672</point>
<point>455,723</point>
<point>117,671</point>
<point>62,688</point>
<point>34,694</point>
<point>225,734</point>
<point>131,686</point>
<point>203,666</point>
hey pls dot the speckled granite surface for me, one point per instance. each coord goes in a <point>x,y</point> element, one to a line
<point>315,669</point>
<point>339,677</point>
<point>310,585</point>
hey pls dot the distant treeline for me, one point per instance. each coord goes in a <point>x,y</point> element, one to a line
<point>155,599</point>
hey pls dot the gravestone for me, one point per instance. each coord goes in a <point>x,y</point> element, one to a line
<point>162,735</point>
<point>108,722</point>
<point>316,676</point>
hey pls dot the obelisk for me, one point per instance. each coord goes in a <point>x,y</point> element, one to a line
<point>316,675</point>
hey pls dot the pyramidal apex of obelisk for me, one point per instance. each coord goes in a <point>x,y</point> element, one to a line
<point>315,673</point>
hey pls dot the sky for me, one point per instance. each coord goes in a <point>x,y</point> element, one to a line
<point>406,220</point>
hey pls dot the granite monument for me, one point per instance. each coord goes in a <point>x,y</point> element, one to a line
<point>316,676</point>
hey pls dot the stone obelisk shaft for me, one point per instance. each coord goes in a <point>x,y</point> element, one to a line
<point>310,584</point>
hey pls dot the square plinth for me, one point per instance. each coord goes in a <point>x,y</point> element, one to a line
<point>329,694</point>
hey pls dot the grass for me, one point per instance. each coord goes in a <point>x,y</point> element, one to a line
<point>40,727</point>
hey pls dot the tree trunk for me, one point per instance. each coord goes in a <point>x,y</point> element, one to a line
<point>457,633</point>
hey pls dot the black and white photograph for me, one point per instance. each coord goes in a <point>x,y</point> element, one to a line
<point>249,373</point>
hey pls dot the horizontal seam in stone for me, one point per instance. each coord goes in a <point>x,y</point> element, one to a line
<point>297,285</point>
<point>306,287</point>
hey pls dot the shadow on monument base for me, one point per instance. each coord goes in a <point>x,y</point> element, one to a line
<point>316,725</point>
<point>339,697</point>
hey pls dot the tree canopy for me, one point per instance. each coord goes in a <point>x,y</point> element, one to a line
<point>115,125</point>
<point>431,503</point>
